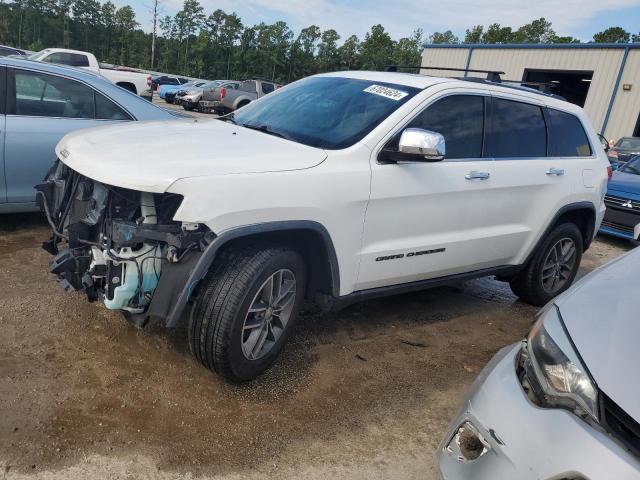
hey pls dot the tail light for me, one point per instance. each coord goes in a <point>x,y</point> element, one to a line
<point>609,171</point>
<point>223,93</point>
<point>149,80</point>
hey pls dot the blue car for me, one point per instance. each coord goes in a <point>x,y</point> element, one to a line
<point>39,104</point>
<point>622,218</point>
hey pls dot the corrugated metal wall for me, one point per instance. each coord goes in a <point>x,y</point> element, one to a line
<point>605,64</point>
<point>626,107</point>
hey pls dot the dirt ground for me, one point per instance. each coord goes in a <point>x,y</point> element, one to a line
<point>362,394</point>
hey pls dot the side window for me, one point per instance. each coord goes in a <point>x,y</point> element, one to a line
<point>43,95</point>
<point>460,119</point>
<point>516,130</point>
<point>249,86</point>
<point>267,87</point>
<point>567,137</point>
<point>78,60</point>
<point>107,110</point>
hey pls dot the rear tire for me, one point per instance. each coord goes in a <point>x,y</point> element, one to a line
<point>224,335</point>
<point>553,267</point>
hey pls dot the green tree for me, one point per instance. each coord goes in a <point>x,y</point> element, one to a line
<point>612,35</point>
<point>376,50</point>
<point>328,55</point>
<point>538,31</point>
<point>87,13</point>
<point>474,35</point>
<point>443,37</point>
<point>188,22</point>
<point>408,50</point>
<point>349,53</point>
<point>497,34</point>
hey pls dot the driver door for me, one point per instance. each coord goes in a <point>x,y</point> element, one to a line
<point>433,219</point>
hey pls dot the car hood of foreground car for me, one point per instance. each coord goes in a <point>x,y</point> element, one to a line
<point>150,156</point>
<point>602,314</point>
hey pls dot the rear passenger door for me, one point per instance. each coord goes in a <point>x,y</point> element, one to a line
<point>529,184</point>
<point>41,109</point>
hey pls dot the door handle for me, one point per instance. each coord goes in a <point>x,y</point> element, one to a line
<point>475,175</point>
<point>555,171</point>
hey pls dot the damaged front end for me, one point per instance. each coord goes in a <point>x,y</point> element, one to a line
<point>117,245</point>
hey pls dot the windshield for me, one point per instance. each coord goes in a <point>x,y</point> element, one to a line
<point>629,143</point>
<point>325,112</point>
<point>632,166</point>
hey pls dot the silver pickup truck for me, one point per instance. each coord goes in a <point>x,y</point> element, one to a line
<point>223,100</point>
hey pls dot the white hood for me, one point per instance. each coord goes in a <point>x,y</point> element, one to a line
<point>150,156</point>
<point>602,315</point>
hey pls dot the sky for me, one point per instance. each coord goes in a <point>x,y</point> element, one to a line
<point>577,18</point>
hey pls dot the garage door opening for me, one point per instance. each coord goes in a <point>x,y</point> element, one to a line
<point>572,85</point>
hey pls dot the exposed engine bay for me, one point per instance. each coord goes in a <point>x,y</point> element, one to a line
<point>112,243</point>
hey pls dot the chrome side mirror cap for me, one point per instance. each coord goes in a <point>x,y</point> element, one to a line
<point>428,144</point>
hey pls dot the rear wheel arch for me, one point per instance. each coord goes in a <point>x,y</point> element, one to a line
<point>583,215</point>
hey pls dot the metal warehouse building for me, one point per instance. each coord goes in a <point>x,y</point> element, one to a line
<point>602,78</point>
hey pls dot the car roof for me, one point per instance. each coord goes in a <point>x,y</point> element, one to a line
<point>424,81</point>
<point>141,109</point>
<point>84,74</point>
<point>69,50</point>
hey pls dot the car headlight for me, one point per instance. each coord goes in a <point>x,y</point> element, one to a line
<point>555,371</point>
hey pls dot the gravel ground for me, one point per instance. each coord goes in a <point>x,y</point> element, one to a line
<point>361,394</point>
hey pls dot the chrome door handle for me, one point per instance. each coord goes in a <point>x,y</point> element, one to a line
<point>475,175</point>
<point>555,171</point>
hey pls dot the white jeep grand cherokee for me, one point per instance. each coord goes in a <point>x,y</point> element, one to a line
<point>336,188</point>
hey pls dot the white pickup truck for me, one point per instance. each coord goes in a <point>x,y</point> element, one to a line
<point>136,82</point>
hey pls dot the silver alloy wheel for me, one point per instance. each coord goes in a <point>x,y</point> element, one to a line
<point>268,314</point>
<point>558,265</point>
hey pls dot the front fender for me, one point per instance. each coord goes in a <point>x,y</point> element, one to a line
<point>169,307</point>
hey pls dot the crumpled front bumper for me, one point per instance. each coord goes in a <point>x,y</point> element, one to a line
<point>528,442</point>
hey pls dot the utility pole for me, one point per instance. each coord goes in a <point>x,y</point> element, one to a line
<point>153,38</point>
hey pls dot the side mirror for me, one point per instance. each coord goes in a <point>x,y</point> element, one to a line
<point>605,143</point>
<point>428,145</point>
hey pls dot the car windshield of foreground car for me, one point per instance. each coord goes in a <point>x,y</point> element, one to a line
<point>325,112</point>
<point>628,142</point>
<point>632,166</point>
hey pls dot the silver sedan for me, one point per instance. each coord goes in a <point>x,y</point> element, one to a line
<point>564,403</point>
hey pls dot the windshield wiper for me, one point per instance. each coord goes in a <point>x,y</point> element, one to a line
<point>265,129</point>
<point>228,118</point>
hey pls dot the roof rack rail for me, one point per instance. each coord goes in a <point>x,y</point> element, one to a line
<point>544,88</point>
<point>492,75</point>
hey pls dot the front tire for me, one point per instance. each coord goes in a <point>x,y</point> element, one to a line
<point>247,307</point>
<point>553,268</point>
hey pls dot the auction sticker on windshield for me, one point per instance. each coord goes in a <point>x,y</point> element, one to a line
<point>386,92</point>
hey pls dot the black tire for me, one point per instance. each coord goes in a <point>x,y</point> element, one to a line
<point>218,316</point>
<point>188,106</point>
<point>528,284</point>
<point>242,104</point>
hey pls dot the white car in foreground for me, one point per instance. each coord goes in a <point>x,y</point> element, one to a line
<point>564,404</point>
<point>336,188</point>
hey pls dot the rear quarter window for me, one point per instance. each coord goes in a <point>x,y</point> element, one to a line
<point>567,137</point>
